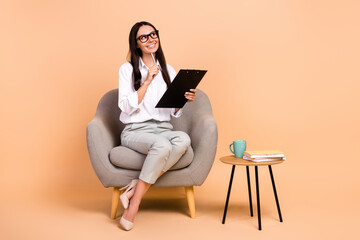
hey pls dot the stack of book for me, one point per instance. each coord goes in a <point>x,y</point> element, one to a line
<point>264,155</point>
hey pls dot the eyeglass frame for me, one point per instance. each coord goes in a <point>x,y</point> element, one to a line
<point>148,35</point>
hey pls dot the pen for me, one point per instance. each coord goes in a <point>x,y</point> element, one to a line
<point>152,55</point>
<point>154,60</point>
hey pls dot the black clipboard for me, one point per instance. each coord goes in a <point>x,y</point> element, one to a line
<point>185,80</point>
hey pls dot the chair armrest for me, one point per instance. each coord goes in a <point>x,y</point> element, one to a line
<point>100,140</point>
<point>204,137</point>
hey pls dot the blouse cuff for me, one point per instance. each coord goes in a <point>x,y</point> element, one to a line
<point>129,104</point>
<point>134,100</point>
<point>177,114</point>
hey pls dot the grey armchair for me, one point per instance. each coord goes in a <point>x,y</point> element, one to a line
<point>116,166</point>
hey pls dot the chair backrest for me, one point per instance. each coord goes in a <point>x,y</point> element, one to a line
<point>109,111</point>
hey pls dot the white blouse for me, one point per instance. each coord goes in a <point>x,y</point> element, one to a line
<point>131,111</point>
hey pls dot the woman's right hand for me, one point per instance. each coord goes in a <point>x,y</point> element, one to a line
<point>153,71</point>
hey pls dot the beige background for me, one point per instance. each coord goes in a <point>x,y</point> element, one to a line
<point>281,74</point>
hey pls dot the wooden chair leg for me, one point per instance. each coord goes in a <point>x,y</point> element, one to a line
<point>115,202</point>
<point>191,200</point>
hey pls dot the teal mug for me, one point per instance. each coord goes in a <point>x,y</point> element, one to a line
<point>239,148</point>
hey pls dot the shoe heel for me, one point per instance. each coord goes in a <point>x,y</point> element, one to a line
<point>123,198</point>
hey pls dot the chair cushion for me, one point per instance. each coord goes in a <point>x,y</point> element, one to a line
<point>127,158</point>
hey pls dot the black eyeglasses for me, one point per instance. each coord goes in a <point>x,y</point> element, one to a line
<point>145,38</point>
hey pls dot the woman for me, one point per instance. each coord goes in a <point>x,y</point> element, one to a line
<point>147,130</point>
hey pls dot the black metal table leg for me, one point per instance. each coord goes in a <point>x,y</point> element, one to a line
<point>258,196</point>
<point>249,190</point>
<point>228,194</point>
<point>275,193</point>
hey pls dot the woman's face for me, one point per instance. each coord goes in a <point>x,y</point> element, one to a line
<point>151,45</point>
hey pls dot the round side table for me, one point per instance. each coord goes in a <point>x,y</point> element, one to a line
<point>231,159</point>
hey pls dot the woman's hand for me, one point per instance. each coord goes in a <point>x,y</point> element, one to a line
<point>190,96</point>
<point>153,71</point>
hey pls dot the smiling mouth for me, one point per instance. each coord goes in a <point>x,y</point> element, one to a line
<point>151,46</point>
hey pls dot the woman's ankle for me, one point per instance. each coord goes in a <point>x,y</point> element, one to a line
<point>134,202</point>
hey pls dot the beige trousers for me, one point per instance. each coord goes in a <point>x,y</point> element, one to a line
<point>162,146</point>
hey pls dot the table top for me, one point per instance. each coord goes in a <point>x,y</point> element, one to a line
<point>231,159</point>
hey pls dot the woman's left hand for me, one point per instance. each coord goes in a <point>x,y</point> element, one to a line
<point>190,96</point>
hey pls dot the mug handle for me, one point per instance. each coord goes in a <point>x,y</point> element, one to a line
<point>231,149</point>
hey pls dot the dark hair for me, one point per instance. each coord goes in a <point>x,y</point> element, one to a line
<point>136,53</point>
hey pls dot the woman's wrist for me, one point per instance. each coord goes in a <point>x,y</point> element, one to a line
<point>147,82</point>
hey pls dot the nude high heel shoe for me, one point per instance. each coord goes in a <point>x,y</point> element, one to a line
<point>123,198</point>
<point>127,225</point>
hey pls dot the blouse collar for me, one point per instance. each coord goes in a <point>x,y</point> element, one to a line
<point>142,64</point>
